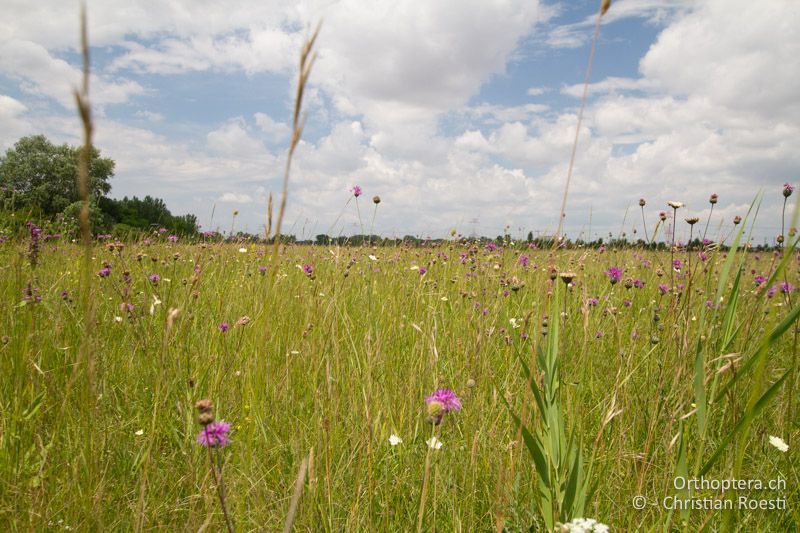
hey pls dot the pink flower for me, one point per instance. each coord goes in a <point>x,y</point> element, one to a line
<point>447,398</point>
<point>215,434</point>
<point>356,191</point>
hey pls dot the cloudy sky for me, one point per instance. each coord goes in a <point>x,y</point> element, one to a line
<point>458,113</point>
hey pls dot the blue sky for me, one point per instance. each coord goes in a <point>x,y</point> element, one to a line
<point>452,111</point>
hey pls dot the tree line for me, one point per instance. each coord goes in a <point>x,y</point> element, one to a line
<point>38,180</point>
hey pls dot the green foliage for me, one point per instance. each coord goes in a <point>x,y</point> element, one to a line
<point>43,174</point>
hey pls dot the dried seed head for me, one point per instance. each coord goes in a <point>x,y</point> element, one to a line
<point>692,220</point>
<point>642,202</point>
<point>204,406</point>
<point>736,220</point>
<point>713,199</point>
<point>376,199</point>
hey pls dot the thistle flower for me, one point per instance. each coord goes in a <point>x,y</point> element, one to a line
<point>214,435</point>
<point>447,398</point>
<point>614,274</point>
<point>356,191</point>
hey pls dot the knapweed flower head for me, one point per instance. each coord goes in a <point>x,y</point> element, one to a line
<point>788,189</point>
<point>675,204</point>
<point>376,199</point>
<point>214,435</point>
<point>662,215</point>
<point>736,220</point>
<point>422,271</point>
<point>642,202</point>
<point>786,287</point>
<point>663,289</point>
<point>692,220</point>
<point>759,280</point>
<point>523,261</point>
<point>440,403</point>
<point>677,264</point>
<point>154,278</point>
<point>713,199</point>
<point>614,274</point>
<point>356,190</point>
<point>223,327</point>
<point>172,238</point>
<point>308,269</point>
<point>104,272</point>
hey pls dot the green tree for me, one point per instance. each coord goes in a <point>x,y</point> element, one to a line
<point>44,175</point>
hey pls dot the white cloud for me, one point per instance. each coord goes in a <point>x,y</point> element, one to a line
<point>236,198</point>
<point>275,131</point>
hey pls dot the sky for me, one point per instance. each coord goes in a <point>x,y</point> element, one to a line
<point>459,114</point>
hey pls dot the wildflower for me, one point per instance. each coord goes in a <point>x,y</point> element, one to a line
<point>692,220</point>
<point>772,290</point>
<point>779,443</point>
<point>154,278</point>
<point>614,274</point>
<point>139,433</point>
<point>759,280</point>
<point>639,284</point>
<point>308,269</point>
<point>582,525</point>
<point>172,238</point>
<point>713,199</point>
<point>153,305</point>
<point>677,264</point>
<point>786,287</point>
<point>262,270</point>
<point>642,202</point>
<point>567,277</point>
<point>663,289</point>
<point>394,440</point>
<point>736,220</point>
<point>422,271</point>
<point>592,302</point>
<point>447,398</point>
<point>214,435</point>
<point>662,215</point>
<point>356,191</point>
<point>788,189</point>
<point>242,250</point>
<point>523,261</point>
<point>434,443</point>
<point>162,230</point>
<point>674,204</point>
<point>104,272</point>
<point>376,200</point>
<point>223,327</point>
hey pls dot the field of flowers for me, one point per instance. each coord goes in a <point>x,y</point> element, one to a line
<point>463,386</point>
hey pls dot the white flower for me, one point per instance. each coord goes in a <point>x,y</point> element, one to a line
<point>242,250</point>
<point>433,443</point>
<point>139,433</point>
<point>372,257</point>
<point>394,440</point>
<point>675,205</point>
<point>117,319</point>
<point>443,298</point>
<point>514,322</point>
<point>779,443</point>
<point>153,305</point>
<point>415,267</point>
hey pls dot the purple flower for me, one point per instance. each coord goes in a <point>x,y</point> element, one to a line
<point>786,287</point>
<point>422,271</point>
<point>639,284</point>
<point>759,280</point>
<point>223,327</point>
<point>356,191</point>
<point>162,230</point>
<point>262,270</point>
<point>491,247</point>
<point>598,335</point>
<point>614,274</point>
<point>788,189</point>
<point>308,269</point>
<point>626,303</point>
<point>446,398</point>
<point>215,434</point>
<point>772,290</point>
<point>172,238</point>
<point>523,261</point>
<point>663,289</point>
<point>592,301</point>
<point>104,272</point>
<point>677,264</point>
<point>154,278</point>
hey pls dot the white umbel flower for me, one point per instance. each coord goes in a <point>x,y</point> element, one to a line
<point>394,440</point>
<point>779,443</point>
<point>434,443</point>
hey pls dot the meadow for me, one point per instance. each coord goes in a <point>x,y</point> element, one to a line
<point>627,367</point>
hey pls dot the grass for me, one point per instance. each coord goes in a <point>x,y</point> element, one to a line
<point>329,367</point>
